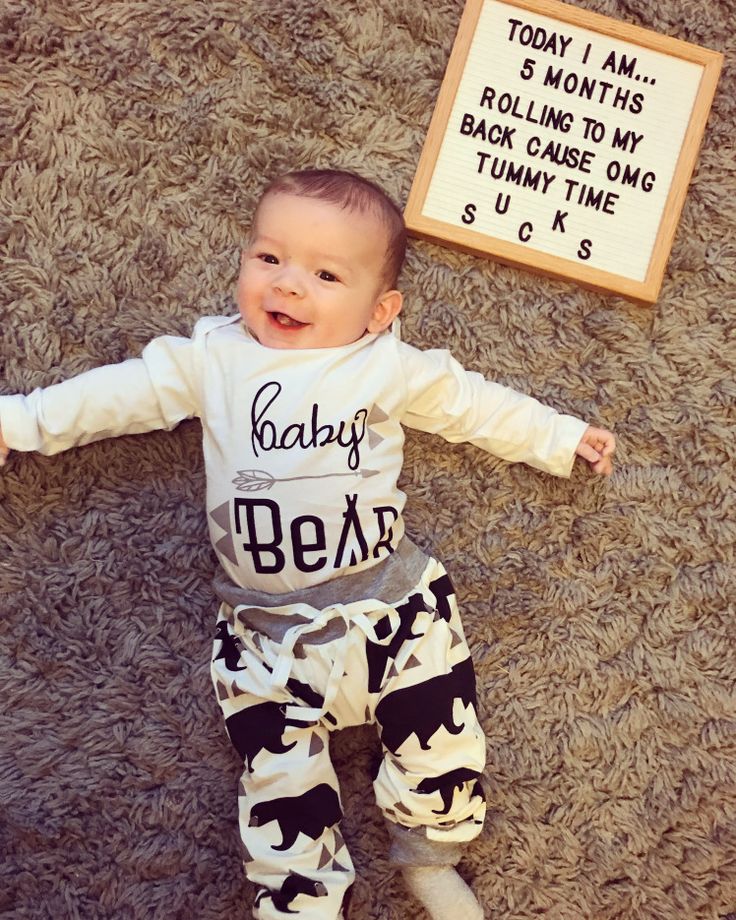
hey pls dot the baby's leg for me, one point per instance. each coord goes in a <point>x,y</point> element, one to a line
<point>428,785</point>
<point>289,814</point>
<point>450,812</point>
<point>288,802</point>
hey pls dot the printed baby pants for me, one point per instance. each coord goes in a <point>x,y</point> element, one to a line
<point>285,677</point>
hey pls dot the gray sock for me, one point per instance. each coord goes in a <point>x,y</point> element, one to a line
<point>442,893</point>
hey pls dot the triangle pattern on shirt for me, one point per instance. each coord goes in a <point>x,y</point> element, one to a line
<point>226,546</point>
<point>374,440</point>
<point>221,516</point>
<point>377,415</point>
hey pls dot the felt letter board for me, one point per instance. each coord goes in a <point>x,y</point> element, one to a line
<point>563,142</point>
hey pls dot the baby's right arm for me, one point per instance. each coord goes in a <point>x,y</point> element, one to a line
<point>157,390</point>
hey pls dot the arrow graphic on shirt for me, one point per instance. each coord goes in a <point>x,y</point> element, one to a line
<point>260,480</point>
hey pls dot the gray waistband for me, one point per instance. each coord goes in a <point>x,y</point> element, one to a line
<point>389,581</point>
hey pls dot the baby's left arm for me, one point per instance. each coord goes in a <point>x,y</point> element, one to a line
<point>597,446</point>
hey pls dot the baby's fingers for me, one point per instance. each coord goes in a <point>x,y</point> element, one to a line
<point>604,467</point>
<point>597,446</point>
<point>588,452</point>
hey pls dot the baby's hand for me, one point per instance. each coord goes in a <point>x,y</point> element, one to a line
<point>4,450</point>
<point>597,446</point>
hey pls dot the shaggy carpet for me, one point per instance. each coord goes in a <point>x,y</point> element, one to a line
<point>135,139</point>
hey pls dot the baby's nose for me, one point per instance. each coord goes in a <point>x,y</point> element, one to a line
<point>289,282</point>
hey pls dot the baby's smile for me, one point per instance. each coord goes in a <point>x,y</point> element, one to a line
<point>286,321</point>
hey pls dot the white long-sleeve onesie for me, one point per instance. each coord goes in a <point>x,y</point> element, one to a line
<point>302,448</point>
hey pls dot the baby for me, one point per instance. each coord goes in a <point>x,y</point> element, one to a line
<point>329,615</point>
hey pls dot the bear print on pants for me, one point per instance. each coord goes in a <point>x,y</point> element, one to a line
<point>422,709</point>
<point>231,648</point>
<point>442,589</point>
<point>294,885</point>
<point>259,728</point>
<point>379,655</point>
<point>446,784</point>
<point>310,813</point>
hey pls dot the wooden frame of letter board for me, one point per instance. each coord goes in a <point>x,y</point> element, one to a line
<point>642,292</point>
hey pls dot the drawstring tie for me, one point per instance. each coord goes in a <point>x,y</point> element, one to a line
<point>351,615</point>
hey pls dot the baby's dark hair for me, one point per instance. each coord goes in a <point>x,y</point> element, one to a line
<point>354,193</point>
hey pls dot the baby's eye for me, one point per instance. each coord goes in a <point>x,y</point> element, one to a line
<point>268,257</point>
<point>327,276</point>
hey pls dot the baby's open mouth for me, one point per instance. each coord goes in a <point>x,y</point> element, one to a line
<point>286,321</point>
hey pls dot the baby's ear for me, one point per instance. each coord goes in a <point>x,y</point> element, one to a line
<point>385,311</point>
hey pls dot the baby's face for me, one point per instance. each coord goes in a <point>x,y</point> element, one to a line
<point>311,276</point>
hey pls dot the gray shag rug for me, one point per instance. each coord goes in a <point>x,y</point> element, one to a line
<point>135,140</point>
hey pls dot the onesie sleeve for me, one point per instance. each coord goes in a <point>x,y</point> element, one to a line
<point>443,398</point>
<point>155,391</point>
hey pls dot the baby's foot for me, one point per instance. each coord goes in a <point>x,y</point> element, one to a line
<point>443,894</point>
